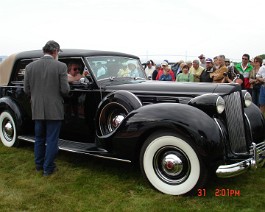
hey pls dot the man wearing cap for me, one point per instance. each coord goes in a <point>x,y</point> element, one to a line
<point>46,82</point>
<point>150,67</point>
<point>205,75</point>
<point>165,67</point>
<point>202,60</point>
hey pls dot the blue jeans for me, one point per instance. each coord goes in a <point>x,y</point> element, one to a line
<point>46,143</point>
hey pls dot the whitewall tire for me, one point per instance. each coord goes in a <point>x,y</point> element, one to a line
<point>8,129</point>
<point>171,164</point>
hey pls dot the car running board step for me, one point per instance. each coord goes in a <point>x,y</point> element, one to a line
<point>70,146</point>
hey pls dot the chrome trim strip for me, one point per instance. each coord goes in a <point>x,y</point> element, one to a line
<point>257,160</point>
<point>98,156</point>
<point>251,137</point>
<point>86,153</point>
<point>219,126</point>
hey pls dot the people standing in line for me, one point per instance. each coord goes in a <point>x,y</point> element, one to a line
<point>218,74</point>
<point>46,83</point>
<point>254,83</point>
<point>202,61</point>
<point>165,69</point>
<point>196,70</point>
<point>205,75</point>
<point>185,76</point>
<point>150,67</point>
<point>245,68</point>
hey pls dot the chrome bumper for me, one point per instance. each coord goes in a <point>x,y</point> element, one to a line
<point>257,160</point>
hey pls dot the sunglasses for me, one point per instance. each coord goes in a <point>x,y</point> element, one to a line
<point>243,58</point>
<point>77,69</point>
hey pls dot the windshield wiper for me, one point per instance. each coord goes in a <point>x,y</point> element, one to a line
<point>139,78</point>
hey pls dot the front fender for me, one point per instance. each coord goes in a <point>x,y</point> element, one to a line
<point>255,123</point>
<point>184,119</point>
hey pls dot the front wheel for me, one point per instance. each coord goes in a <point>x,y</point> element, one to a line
<point>171,164</point>
<point>8,129</point>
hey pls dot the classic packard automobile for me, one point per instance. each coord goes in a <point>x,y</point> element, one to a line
<point>179,133</point>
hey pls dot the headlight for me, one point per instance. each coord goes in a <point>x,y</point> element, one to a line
<point>220,105</point>
<point>247,99</point>
<point>209,103</point>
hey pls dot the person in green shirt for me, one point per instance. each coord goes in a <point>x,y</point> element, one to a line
<point>245,68</point>
<point>185,76</point>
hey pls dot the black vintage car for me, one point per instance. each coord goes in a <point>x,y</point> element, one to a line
<point>178,132</point>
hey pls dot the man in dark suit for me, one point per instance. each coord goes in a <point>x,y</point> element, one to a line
<point>46,83</point>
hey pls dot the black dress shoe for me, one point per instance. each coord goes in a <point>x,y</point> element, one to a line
<point>39,168</point>
<point>46,174</point>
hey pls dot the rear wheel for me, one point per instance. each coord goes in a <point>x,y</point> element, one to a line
<point>171,164</point>
<point>8,129</point>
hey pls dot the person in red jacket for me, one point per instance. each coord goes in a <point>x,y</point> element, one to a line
<point>164,66</point>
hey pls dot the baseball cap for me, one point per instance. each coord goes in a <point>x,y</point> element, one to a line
<point>201,56</point>
<point>51,46</point>
<point>164,63</point>
<point>208,60</point>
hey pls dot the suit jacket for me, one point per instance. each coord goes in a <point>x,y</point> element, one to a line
<point>46,82</point>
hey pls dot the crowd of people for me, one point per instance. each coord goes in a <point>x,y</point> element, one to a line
<point>249,74</point>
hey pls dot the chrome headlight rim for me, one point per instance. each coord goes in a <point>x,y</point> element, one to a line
<point>247,99</point>
<point>220,105</point>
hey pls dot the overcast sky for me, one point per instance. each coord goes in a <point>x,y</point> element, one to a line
<point>174,29</point>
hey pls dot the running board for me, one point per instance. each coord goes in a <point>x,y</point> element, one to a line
<point>71,146</point>
<point>78,147</point>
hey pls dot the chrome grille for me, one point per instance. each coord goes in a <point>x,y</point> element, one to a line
<point>235,122</point>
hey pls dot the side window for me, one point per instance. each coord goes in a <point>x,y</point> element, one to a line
<point>20,70</point>
<point>78,61</point>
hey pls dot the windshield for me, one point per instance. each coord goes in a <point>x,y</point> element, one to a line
<point>115,67</point>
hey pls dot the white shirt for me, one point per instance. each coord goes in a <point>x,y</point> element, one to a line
<point>261,72</point>
<point>149,71</point>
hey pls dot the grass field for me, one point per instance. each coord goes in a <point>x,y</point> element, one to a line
<point>85,183</point>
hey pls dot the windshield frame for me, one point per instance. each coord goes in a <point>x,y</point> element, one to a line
<point>115,67</point>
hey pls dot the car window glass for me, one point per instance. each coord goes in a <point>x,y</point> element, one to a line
<point>114,66</point>
<point>20,70</point>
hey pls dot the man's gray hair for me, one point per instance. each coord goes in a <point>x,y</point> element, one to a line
<point>51,46</point>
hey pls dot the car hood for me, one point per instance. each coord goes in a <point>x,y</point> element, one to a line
<point>160,88</point>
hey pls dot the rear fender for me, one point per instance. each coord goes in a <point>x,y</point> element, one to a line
<point>6,103</point>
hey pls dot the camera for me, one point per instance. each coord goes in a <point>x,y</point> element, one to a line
<point>225,74</point>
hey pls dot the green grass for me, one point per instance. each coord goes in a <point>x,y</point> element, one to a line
<point>86,183</point>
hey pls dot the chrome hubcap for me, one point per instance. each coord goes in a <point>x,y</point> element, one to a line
<point>171,165</point>
<point>8,130</point>
<point>117,120</point>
